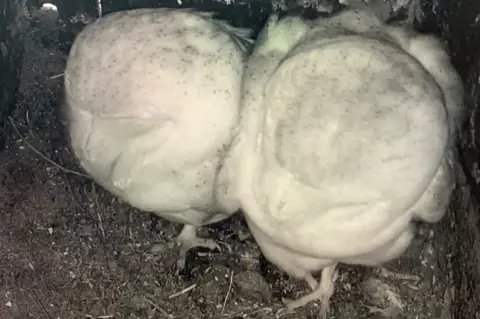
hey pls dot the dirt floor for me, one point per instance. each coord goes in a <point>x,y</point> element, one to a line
<point>68,249</point>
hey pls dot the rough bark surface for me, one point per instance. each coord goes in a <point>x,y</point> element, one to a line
<point>459,23</point>
<point>10,57</point>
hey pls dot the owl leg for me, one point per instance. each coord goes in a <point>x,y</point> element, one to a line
<point>311,282</point>
<point>186,240</point>
<point>322,292</point>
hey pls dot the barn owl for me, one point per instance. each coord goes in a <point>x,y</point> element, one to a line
<point>152,97</point>
<point>346,136</point>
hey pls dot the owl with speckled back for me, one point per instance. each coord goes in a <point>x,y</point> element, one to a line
<point>346,137</point>
<point>153,97</point>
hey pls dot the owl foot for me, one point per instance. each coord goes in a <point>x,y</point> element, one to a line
<point>322,292</point>
<point>186,240</point>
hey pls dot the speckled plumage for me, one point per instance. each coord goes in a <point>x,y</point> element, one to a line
<point>346,137</point>
<point>152,98</point>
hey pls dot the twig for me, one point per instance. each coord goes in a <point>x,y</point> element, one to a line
<point>97,205</point>
<point>129,225</point>
<point>100,224</point>
<point>245,314</point>
<point>55,76</point>
<point>75,201</point>
<point>41,305</point>
<point>157,307</point>
<point>228,293</point>
<point>183,291</point>
<point>390,274</point>
<point>60,167</point>
<point>99,8</point>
